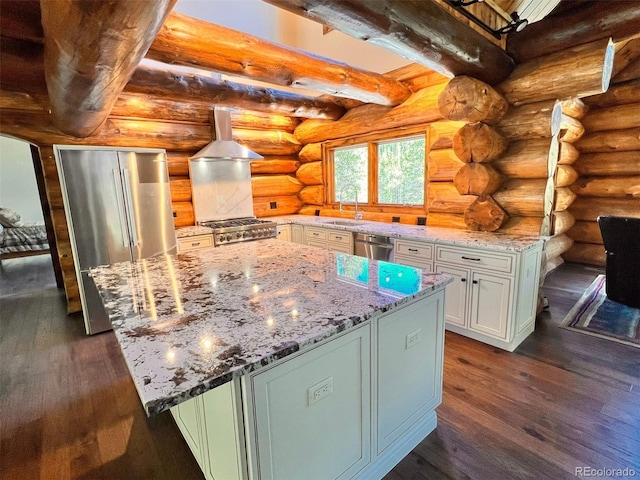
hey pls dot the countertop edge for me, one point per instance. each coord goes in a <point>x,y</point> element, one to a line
<point>364,226</point>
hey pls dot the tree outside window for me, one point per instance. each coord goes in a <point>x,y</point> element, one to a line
<point>401,172</point>
<point>350,166</point>
<point>384,172</point>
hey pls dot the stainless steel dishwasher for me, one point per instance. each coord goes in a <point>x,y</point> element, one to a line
<point>377,247</point>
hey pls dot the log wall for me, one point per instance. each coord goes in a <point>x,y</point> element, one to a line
<point>608,168</point>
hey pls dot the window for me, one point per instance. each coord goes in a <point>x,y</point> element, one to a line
<point>384,172</point>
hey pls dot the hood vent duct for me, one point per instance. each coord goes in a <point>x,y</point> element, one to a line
<point>223,147</point>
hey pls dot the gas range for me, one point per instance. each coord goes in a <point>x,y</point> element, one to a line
<point>240,230</point>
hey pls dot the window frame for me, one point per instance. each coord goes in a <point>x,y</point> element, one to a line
<point>371,141</point>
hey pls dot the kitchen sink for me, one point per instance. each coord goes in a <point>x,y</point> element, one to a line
<point>345,223</point>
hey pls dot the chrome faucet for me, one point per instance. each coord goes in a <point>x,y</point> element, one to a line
<point>358,215</point>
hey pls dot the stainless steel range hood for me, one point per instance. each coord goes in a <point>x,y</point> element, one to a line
<point>223,147</point>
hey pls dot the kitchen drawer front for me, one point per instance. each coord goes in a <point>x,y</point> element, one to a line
<point>315,233</point>
<point>195,242</point>
<point>416,262</point>
<point>340,237</point>
<point>414,249</point>
<point>471,258</point>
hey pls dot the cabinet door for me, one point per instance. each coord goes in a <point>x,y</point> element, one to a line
<point>223,435</point>
<point>455,299</point>
<point>187,417</point>
<point>490,305</point>
<point>312,413</point>
<point>317,243</point>
<point>340,247</point>
<point>297,234</point>
<point>284,233</point>
<point>409,372</point>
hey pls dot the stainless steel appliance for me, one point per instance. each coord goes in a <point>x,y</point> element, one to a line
<point>377,247</point>
<point>241,230</point>
<point>118,206</point>
<point>221,187</point>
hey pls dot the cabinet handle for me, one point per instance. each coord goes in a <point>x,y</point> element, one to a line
<point>472,259</point>
<point>315,234</point>
<point>475,282</point>
<point>195,244</point>
<point>463,279</point>
<point>338,238</point>
<point>413,250</point>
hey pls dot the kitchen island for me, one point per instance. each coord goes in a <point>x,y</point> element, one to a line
<point>281,360</point>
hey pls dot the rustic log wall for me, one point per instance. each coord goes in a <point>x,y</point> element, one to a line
<point>273,179</point>
<point>608,168</point>
<point>419,110</point>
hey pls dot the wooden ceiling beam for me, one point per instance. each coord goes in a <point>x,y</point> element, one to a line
<point>91,50</point>
<point>183,87</point>
<point>20,19</point>
<point>184,40</point>
<point>575,26</point>
<point>419,30</point>
<point>159,91</point>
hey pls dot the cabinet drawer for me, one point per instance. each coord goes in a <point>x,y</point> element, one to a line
<point>195,242</point>
<point>316,234</point>
<point>416,262</point>
<point>340,237</point>
<point>414,249</point>
<point>470,258</point>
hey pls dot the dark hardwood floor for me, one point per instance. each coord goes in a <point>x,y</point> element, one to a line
<point>563,400</point>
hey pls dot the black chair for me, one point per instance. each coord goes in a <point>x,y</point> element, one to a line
<point>621,236</point>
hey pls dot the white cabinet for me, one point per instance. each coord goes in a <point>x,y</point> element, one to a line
<point>492,297</point>
<point>409,367</point>
<point>212,425</point>
<point>312,413</point>
<point>188,418</point>
<point>350,407</point>
<point>414,254</point>
<point>284,233</point>
<point>297,233</point>
<point>195,242</point>
<point>329,238</point>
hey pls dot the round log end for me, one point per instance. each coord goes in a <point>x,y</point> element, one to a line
<point>469,99</point>
<point>484,214</point>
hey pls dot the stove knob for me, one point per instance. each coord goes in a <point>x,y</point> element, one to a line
<point>221,238</point>
<point>229,237</point>
<point>239,235</point>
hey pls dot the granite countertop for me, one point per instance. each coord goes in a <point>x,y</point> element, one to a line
<point>188,323</point>
<point>439,235</point>
<point>192,231</point>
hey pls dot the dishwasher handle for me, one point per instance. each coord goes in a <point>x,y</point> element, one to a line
<point>387,246</point>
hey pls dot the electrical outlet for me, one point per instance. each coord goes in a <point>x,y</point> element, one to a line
<point>422,221</point>
<point>273,205</point>
<point>395,219</point>
<point>320,390</point>
<point>413,338</point>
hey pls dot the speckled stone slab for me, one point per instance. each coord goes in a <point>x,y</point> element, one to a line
<point>192,231</point>
<point>443,236</point>
<point>191,322</point>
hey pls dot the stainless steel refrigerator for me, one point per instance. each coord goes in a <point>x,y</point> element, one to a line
<point>118,206</point>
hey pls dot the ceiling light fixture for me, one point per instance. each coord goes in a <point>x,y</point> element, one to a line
<point>514,22</point>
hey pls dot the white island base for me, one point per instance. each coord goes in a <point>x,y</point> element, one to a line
<point>350,407</point>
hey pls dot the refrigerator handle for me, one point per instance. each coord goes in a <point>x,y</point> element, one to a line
<point>123,226</point>
<point>129,207</point>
